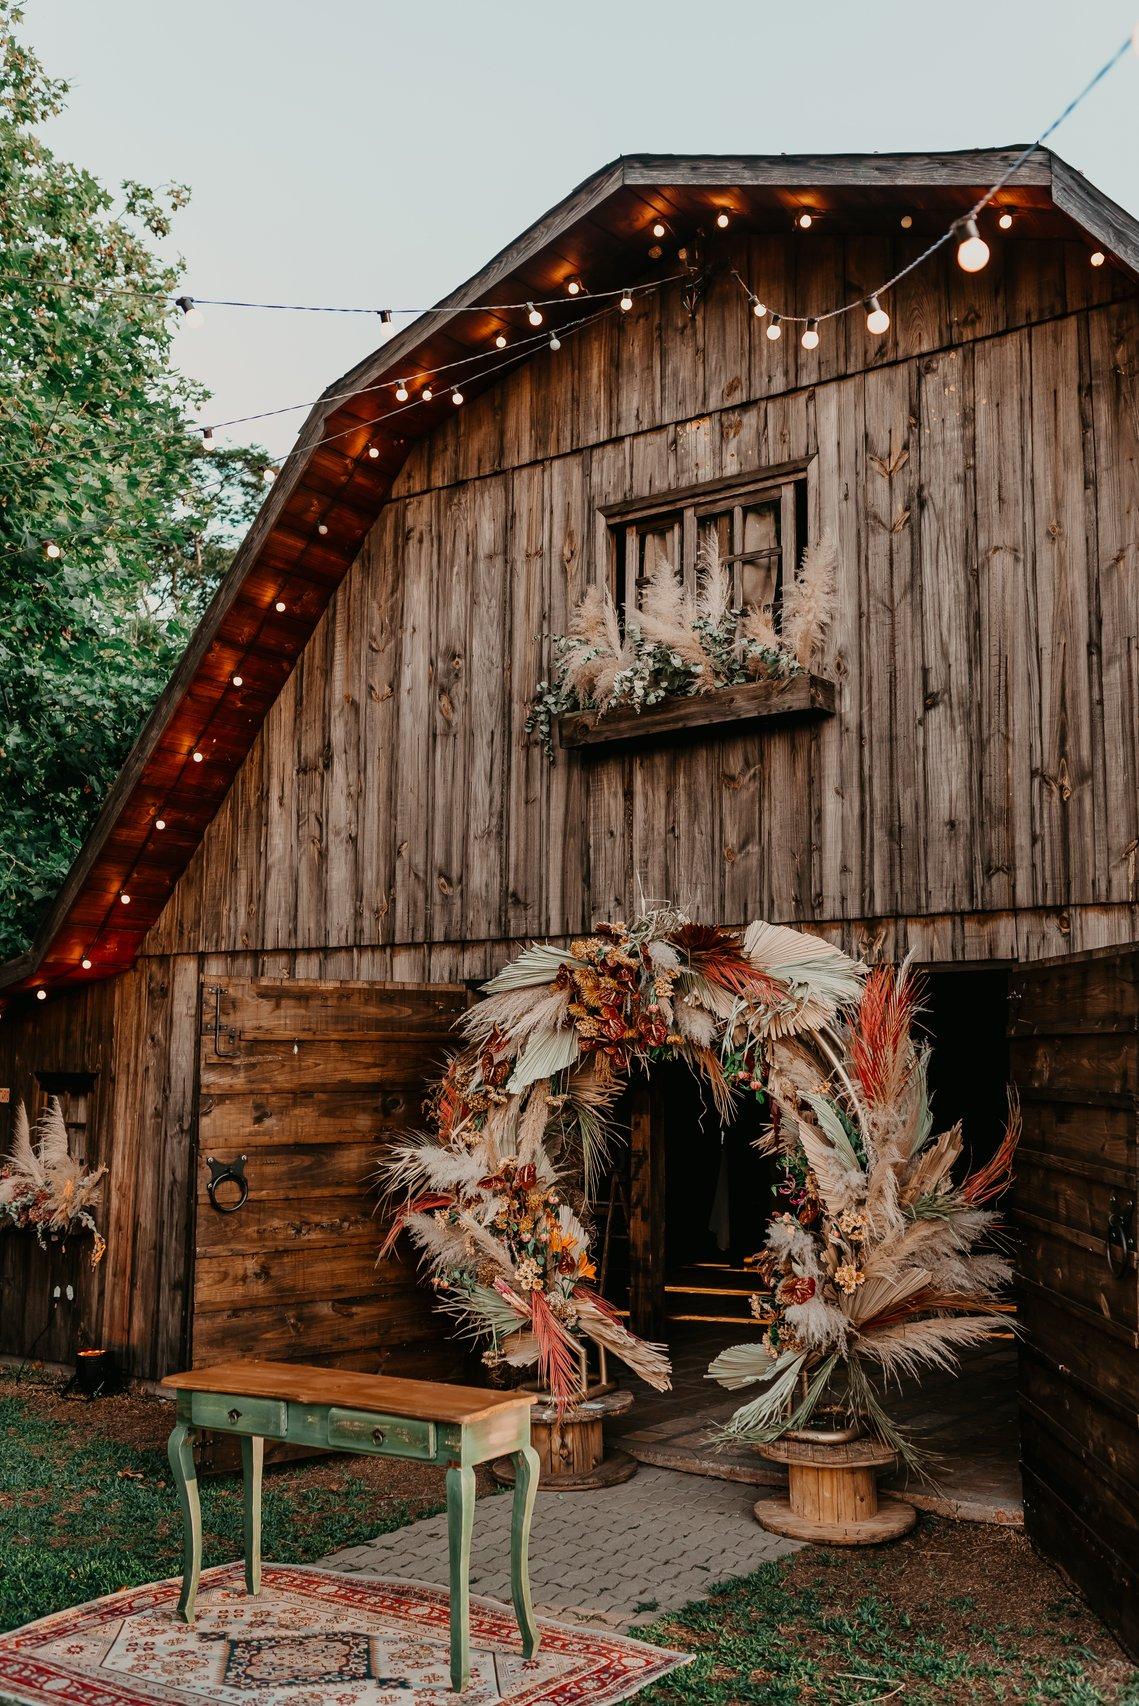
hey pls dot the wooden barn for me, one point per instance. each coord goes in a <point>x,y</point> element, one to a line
<point>335,820</point>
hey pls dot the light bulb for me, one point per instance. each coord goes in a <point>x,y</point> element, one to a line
<point>535,314</point>
<point>269,475</point>
<point>426,394</point>
<point>51,549</point>
<point>198,756</point>
<point>972,250</point>
<point>655,252</point>
<point>877,319</point>
<point>401,392</point>
<point>659,228</point>
<point>1097,258</point>
<point>626,302</point>
<point>239,681</point>
<point>500,341</point>
<point>322,528</point>
<point>805,221</point>
<point>555,341</point>
<point>1005,221</point>
<point>160,823</point>
<point>573,288</point>
<point>775,327</point>
<point>456,397</point>
<point>86,964</point>
<point>191,316</point>
<point>906,221</point>
<point>373,452</point>
<point>279,607</point>
<point>208,439</point>
<point>41,994</point>
<point>810,338</point>
<point>758,308</point>
<point>723,220</point>
<point>125,899</point>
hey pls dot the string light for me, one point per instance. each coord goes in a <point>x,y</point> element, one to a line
<point>499,343</point>
<point>810,338</point>
<point>805,221</point>
<point>456,398</point>
<point>51,549</point>
<point>574,287</point>
<point>191,314</point>
<point>124,899</point>
<point>723,220</point>
<point>534,314</point>
<point>197,757</point>
<point>269,474</point>
<point>208,439</point>
<point>655,252</point>
<point>877,319</point>
<point>239,681</point>
<point>160,823</point>
<point>906,221</point>
<point>280,608</point>
<point>86,964</point>
<point>758,308</point>
<point>41,994</point>
<point>1097,257</point>
<point>660,228</point>
<point>972,250</point>
<point>1005,221</point>
<point>775,327</point>
<point>374,451</point>
<point>401,391</point>
<point>426,394</point>
<point>322,528</point>
<point>625,303</point>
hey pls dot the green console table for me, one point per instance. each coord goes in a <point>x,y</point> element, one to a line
<point>456,1427</point>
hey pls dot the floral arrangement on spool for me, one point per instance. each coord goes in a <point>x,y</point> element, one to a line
<point>883,1264</point>
<point>496,1195</point>
<point>43,1186</point>
<point>679,642</point>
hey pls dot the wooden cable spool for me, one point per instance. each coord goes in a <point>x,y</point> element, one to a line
<point>832,1484</point>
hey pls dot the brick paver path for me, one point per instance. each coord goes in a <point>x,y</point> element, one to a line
<point>615,1557</point>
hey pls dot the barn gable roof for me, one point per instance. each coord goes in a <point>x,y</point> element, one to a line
<point>315,517</point>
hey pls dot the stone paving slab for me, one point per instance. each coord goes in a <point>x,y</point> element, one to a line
<point>616,1557</point>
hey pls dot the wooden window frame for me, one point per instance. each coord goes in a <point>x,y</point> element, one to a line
<point>685,509</point>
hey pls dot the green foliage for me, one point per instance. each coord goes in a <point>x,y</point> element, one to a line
<point>81,1515</point>
<point>96,457</point>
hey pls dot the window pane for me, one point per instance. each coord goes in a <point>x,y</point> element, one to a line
<point>759,561</point>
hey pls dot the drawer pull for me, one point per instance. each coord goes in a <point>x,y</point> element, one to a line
<point>235,1415</point>
<point>378,1435</point>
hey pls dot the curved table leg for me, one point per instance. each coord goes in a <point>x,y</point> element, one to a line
<point>180,1450</point>
<point>252,1460</point>
<point>526,1467</point>
<point>460,1521</point>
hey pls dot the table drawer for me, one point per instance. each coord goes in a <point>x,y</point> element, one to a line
<point>393,1436</point>
<point>235,1414</point>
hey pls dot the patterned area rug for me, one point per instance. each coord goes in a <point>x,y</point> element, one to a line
<point>311,1638</point>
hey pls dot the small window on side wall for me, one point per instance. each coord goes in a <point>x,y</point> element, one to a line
<point>75,1091</point>
<point>760,525</point>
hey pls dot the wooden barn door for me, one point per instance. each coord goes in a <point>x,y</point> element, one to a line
<point>310,1082</point>
<point>1074,1048</point>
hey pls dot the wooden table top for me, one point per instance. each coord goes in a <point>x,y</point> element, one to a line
<point>303,1383</point>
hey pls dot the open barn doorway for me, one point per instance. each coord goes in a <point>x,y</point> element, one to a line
<point>690,1201</point>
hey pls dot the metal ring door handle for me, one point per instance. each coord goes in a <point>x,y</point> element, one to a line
<point>1120,1239</point>
<point>227,1172</point>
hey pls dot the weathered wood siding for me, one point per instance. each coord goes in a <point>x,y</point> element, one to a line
<point>980,466</point>
<point>1074,1041</point>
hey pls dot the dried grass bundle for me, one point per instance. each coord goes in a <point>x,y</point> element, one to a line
<point>809,601</point>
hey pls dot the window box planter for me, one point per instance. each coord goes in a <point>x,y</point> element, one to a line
<point>800,698</point>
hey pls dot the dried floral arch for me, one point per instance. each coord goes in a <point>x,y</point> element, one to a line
<point>878,1264</point>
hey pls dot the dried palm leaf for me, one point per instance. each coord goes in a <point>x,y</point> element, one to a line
<point>604,1327</point>
<point>544,1057</point>
<point>539,963</point>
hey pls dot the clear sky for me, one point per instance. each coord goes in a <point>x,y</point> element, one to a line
<point>359,151</point>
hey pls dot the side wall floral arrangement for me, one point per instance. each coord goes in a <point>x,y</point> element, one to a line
<point>43,1186</point>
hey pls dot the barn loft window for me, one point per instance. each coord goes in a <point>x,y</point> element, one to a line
<point>759,519</point>
<point>75,1091</point>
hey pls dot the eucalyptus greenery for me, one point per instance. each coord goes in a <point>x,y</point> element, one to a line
<point>99,462</point>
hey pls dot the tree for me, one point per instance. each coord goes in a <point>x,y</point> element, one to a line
<point>115,521</point>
